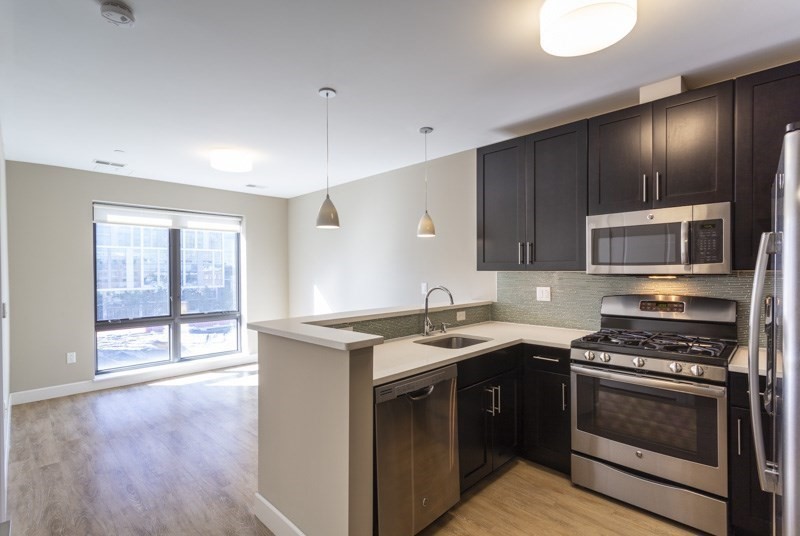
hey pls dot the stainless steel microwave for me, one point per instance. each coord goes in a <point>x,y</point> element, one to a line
<point>694,239</point>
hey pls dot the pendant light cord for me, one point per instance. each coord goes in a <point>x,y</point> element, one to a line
<point>327,147</point>
<point>426,172</point>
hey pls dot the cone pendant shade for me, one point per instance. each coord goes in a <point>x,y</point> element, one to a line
<point>328,218</point>
<point>425,228</point>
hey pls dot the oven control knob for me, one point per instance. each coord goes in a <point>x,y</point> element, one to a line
<point>675,367</point>
<point>605,358</point>
<point>589,355</point>
<point>696,370</point>
<point>638,362</point>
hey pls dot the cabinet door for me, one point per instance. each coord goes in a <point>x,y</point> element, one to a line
<point>765,103</point>
<point>555,190</point>
<point>546,418</point>
<point>505,421</point>
<point>750,507</point>
<point>501,205</point>
<point>620,160</point>
<point>693,147</point>
<point>474,440</point>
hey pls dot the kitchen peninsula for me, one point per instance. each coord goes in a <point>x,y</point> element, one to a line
<point>315,473</point>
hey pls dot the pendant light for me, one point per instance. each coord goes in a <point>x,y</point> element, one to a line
<point>425,228</point>
<point>327,218</point>
<point>576,27</point>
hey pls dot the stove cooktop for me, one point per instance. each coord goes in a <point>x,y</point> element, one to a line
<point>692,349</point>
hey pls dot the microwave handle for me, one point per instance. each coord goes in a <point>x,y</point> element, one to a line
<point>684,242</point>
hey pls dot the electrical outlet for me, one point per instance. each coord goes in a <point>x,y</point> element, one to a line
<point>461,315</point>
<point>72,358</point>
<point>542,293</point>
<point>424,288</point>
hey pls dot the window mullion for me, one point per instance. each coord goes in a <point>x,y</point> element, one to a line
<point>175,291</point>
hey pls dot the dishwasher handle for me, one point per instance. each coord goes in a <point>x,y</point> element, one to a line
<point>421,394</point>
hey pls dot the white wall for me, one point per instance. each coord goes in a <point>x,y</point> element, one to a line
<point>375,259</point>
<point>5,345</point>
<point>51,261</point>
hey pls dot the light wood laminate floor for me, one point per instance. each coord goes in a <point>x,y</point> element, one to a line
<point>178,457</point>
<point>172,457</point>
<point>526,499</point>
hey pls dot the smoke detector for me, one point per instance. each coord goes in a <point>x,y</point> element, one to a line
<point>117,13</point>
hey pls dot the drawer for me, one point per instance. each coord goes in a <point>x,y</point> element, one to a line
<point>738,389</point>
<point>483,367</point>
<point>546,358</point>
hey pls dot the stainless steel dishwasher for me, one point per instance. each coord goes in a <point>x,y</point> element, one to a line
<point>416,451</point>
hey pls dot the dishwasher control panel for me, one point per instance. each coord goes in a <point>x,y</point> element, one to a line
<point>415,383</point>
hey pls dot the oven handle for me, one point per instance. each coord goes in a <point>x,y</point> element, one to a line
<point>768,475</point>
<point>708,391</point>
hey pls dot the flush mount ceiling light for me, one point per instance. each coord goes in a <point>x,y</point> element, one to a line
<point>425,228</point>
<point>327,218</point>
<point>577,27</point>
<point>117,13</point>
<point>231,160</point>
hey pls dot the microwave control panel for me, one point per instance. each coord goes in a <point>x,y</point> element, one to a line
<point>707,242</point>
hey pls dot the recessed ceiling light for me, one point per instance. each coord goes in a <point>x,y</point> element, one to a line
<point>577,27</point>
<point>258,186</point>
<point>231,160</point>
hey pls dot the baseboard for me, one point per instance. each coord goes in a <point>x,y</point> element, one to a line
<point>120,379</point>
<point>274,519</point>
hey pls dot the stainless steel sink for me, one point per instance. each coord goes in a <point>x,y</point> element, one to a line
<point>452,342</point>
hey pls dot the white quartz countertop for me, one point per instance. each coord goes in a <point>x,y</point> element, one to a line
<point>400,358</point>
<point>739,361</point>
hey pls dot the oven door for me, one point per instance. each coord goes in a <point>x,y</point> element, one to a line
<point>669,429</point>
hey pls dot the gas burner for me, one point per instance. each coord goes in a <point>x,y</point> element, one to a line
<point>668,343</point>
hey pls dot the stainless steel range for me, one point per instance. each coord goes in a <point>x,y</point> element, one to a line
<point>649,405</point>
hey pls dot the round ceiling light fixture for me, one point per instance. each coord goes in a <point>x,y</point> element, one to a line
<point>231,160</point>
<point>577,27</point>
<point>117,13</point>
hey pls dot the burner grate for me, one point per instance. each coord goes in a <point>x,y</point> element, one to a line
<point>665,342</point>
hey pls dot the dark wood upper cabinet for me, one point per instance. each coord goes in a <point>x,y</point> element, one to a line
<point>765,103</point>
<point>556,198</point>
<point>532,201</point>
<point>501,205</point>
<point>693,147</point>
<point>620,160</point>
<point>674,151</point>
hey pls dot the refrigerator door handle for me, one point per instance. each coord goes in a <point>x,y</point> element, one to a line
<point>767,471</point>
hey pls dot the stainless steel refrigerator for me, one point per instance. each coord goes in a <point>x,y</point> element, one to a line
<point>779,468</point>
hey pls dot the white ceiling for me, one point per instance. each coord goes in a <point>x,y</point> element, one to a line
<point>193,75</point>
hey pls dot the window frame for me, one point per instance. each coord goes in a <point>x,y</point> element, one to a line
<point>175,319</point>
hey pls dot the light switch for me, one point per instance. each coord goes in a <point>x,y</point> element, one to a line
<point>542,293</point>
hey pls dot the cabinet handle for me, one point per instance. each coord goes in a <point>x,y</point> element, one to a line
<point>520,253</point>
<point>644,188</point>
<point>530,253</point>
<point>491,407</point>
<point>563,396</point>
<point>499,397</point>
<point>543,358</point>
<point>658,186</point>
<point>739,436</point>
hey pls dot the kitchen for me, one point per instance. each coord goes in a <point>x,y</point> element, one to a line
<point>366,255</point>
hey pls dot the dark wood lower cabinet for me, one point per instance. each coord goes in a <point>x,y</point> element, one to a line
<point>750,508</point>
<point>488,425</point>
<point>546,406</point>
<point>546,426</point>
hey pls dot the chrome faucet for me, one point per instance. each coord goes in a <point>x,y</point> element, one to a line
<point>428,326</point>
